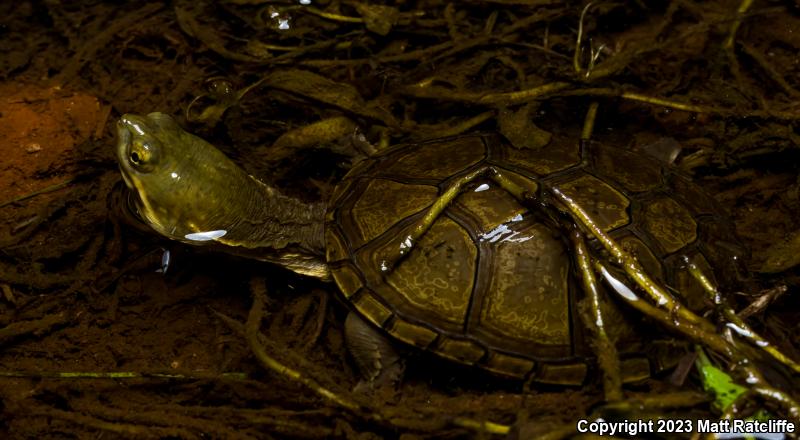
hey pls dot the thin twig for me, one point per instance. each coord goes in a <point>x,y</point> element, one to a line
<point>45,190</point>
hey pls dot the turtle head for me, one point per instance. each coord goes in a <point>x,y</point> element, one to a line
<point>187,190</point>
<point>183,187</point>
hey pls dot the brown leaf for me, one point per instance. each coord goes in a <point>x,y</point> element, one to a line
<point>327,91</point>
<point>377,18</point>
<point>519,129</point>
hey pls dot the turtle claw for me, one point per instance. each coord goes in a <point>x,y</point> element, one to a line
<point>379,364</point>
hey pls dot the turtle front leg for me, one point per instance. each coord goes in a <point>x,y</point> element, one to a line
<point>377,360</point>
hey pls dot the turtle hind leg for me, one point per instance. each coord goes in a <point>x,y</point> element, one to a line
<point>377,359</point>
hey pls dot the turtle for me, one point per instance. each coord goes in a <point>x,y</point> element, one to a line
<point>456,246</point>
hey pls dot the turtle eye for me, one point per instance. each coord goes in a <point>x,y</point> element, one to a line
<point>135,159</point>
<point>142,155</point>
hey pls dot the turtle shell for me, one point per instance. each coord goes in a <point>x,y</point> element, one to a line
<point>492,282</point>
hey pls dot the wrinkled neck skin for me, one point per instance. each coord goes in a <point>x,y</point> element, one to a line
<point>279,229</point>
